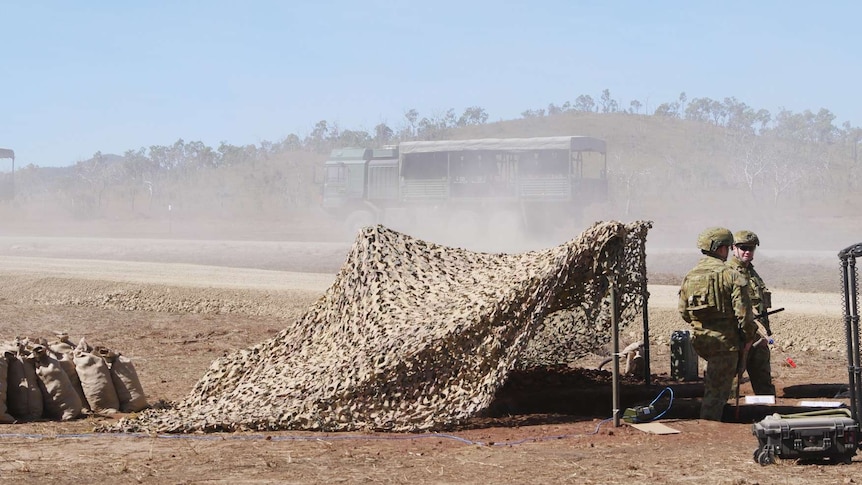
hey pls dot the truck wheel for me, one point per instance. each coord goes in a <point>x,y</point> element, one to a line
<point>356,220</point>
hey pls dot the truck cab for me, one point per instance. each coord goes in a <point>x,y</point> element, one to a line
<point>359,184</point>
<point>344,177</point>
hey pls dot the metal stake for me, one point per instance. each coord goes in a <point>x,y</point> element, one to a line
<point>615,331</point>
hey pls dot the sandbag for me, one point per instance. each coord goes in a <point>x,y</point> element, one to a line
<point>63,345</point>
<point>23,398</point>
<point>5,418</point>
<point>130,392</point>
<point>7,346</point>
<point>96,381</point>
<point>61,401</point>
<point>67,362</point>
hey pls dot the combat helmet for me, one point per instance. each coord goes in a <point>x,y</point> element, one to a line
<point>713,238</point>
<point>746,237</point>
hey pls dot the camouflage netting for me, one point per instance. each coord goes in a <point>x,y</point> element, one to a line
<point>414,336</point>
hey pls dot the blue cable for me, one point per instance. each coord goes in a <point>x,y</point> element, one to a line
<point>669,403</point>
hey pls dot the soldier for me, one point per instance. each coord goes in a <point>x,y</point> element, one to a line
<point>714,299</point>
<point>757,363</point>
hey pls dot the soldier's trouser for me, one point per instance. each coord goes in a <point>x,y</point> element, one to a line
<point>759,369</point>
<point>717,383</point>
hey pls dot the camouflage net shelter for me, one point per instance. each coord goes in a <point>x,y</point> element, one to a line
<point>416,336</point>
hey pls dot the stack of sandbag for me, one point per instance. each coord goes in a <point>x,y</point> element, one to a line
<point>63,381</point>
<point>23,396</point>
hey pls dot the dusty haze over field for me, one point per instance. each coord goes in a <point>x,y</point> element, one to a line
<point>674,227</point>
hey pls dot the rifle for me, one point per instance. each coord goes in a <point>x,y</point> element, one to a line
<point>765,322</point>
<point>743,353</point>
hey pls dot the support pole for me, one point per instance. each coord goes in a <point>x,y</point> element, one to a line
<point>851,322</point>
<point>647,371</point>
<point>615,330</point>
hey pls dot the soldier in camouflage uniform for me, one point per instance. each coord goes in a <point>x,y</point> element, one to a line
<point>757,365</point>
<point>714,299</point>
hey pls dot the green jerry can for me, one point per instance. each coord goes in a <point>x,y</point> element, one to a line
<point>683,359</point>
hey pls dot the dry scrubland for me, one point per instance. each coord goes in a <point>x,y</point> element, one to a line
<point>175,305</point>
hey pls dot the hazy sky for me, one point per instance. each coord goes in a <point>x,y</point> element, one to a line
<point>81,77</point>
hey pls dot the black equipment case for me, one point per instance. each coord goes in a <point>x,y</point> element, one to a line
<point>683,358</point>
<point>829,434</point>
<point>832,437</point>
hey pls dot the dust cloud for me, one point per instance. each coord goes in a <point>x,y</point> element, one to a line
<point>204,227</point>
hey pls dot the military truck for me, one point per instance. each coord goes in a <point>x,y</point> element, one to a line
<point>7,179</point>
<point>490,187</point>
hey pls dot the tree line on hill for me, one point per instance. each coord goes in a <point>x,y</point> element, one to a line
<point>786,147</point>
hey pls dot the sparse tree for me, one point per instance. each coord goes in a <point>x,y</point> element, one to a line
<point>608,105</point>
<point>533,113</point>
<point>353,138</point>
<point>718,113</point>
<point>198,156</point>
<point>139,174</point>
<point>473,115</point>
<point>449,119</point>
<point>853,135</point>
<point>383,134</point>
<point>668,110</point>
<point>435,128</point>
<point>762,117</point>
<point>411,116</point>
<point>584,104</point>
<point>824,127</point>
<point>319,138</point>
<point>699,109</point>
<point>291,143</point>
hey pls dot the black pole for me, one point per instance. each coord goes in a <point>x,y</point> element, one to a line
<point>848,335</point>
<point>615,330</point>
<point>851,322</point>
<point>856,392</point>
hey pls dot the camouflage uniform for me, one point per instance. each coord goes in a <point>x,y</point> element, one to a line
<point>714,299</point>
<point>757,365</point>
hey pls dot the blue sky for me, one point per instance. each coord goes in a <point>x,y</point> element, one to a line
<point>81,77</point>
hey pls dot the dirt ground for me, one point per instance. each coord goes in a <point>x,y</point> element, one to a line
<point>549,427</point>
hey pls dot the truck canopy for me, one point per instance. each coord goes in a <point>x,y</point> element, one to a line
<point>341,154</point>
<point>574,143</point>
